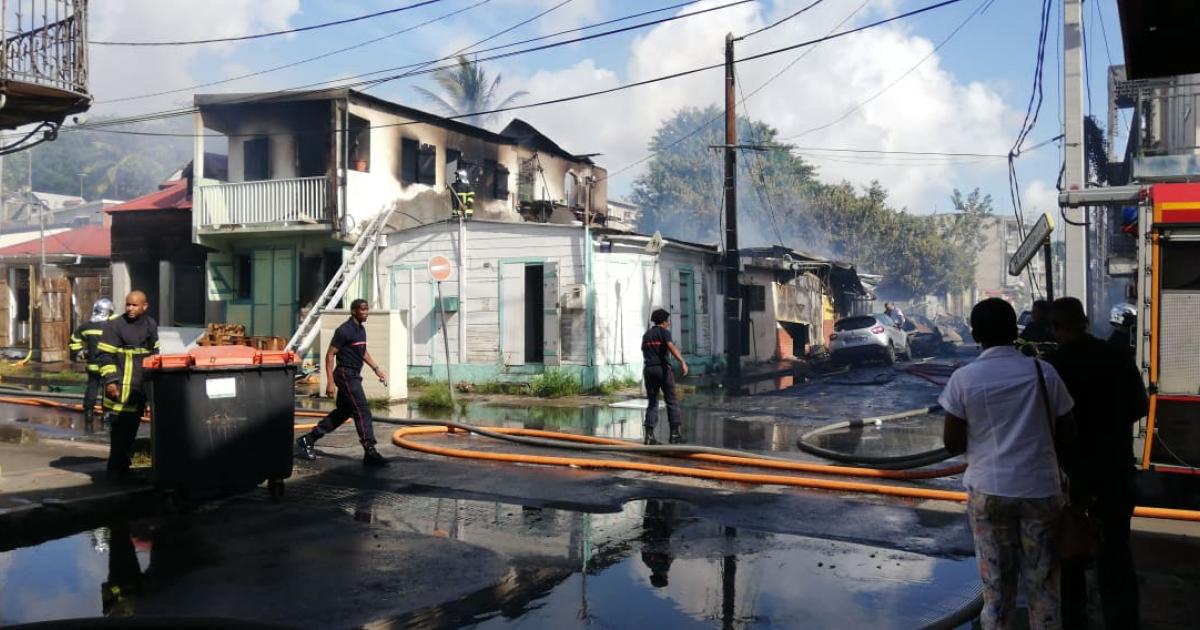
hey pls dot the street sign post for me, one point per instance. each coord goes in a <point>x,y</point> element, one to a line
<point>440,271</point>
<point>1038,237</point>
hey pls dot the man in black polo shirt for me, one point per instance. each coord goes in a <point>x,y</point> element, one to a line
<point>657,373</point>
<point>349,345</point>
<point>1109,398</point>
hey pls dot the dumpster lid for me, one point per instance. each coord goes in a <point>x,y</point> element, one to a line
<point>221,356</point>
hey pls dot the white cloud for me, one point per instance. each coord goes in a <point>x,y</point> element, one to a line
<point>930,110</point>
<point>123,71</point>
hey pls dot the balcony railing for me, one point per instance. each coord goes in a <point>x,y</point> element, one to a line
<point>299,201</point>
<point>45,43</point>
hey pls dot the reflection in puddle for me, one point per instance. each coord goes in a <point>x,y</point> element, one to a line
<point>655,562</point>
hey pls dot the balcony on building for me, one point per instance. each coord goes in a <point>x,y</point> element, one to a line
<point>43,61</point>
<point>283,167</point>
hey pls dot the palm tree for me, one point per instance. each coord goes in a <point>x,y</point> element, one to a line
<point>467,88</point>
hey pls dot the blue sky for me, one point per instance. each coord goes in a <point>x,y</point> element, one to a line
<point>969,97</point>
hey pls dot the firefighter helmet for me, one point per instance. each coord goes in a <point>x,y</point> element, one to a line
<point>102,310</point>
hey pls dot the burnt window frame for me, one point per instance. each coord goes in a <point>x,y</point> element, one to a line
<point>247,148</point>
<point>500,188</point>
<point>427,164</point>
<point>409,147</point>
<point>358,143</point>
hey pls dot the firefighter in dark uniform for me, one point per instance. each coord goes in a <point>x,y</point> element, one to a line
<point>462,196</point>
<point>349,346</point>
<point>659,377</point>
<point>85,340</point>
<point>126,341</point>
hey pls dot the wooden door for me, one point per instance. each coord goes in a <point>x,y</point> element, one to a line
<point>5,313</point>
<point>87,291</point>
<point>512,313</point>
<point>55,320</point>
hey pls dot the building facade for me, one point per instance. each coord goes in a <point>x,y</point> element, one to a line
<point>307,172</point>
<point>529,296</point>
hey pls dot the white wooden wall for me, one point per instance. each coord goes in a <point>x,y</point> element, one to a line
<point>493,250</point>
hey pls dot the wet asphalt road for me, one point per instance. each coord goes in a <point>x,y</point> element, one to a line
<point>437,542</point>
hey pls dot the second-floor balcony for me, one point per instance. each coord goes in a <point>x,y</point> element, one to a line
<point>277,204</point>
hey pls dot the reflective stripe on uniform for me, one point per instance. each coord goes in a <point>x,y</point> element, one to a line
<point>127,378</point>
<point>92,367</point>
<point>107,347</point>
<point>108,370</point>
<point>92,331</point>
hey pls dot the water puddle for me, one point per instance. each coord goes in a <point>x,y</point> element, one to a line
<point>654,563</point>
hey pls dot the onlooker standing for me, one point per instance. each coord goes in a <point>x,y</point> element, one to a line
<point>1111,397</point>
<point>897,315</point>
<point>659,377</point>
<point>1038,330</point>
<point>125,342</point>
<point>995,413</point>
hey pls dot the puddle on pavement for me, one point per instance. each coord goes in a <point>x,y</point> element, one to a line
<point>655,562</point>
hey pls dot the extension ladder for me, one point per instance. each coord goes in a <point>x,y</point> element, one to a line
<point>336,290</point>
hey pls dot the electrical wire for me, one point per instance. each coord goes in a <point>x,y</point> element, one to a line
<point>584,95</point>
<point>489,38</point>
<point>298,62</point>
<point>756,90</point>
<point>983,6</point>
<point>413,69</point>
<point>778,22</point>
<point>760,189</point>
<point>1032,109</point>
<point>241,38</point>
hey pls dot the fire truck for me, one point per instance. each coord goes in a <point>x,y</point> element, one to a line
<point>1168,343</point>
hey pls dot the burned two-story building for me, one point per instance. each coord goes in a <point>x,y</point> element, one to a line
<point>308,170</point>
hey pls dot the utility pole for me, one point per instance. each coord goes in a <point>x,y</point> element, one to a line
<point>1075,236</point>
<point>733,350</point>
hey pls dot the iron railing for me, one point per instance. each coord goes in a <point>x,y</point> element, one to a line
<point>302,200</point>
<point>45,43</point>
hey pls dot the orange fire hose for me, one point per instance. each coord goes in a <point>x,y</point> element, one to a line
<point>400,438</point>
<point>825,469</point>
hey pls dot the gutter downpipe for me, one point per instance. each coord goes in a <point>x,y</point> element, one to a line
<point>589,285</point>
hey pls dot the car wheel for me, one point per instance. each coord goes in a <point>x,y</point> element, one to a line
<point>889,356</point>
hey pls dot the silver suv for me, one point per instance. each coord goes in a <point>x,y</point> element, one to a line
<point>865,337</point>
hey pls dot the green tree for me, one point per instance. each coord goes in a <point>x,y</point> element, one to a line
<point>682,190</point>
<point>780,198</point>
<point>467,88</point>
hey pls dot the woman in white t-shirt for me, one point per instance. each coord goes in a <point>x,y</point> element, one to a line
<point>997,415</point>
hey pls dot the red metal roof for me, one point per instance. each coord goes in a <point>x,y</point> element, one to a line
<point>169,196</point>
<point>89,240</point>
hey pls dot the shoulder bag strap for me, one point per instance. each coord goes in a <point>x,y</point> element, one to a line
<point>1045,396</point>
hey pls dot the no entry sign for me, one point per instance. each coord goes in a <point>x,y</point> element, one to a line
<point>440,268</point>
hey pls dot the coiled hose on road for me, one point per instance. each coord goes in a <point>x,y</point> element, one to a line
<point>914,460</point>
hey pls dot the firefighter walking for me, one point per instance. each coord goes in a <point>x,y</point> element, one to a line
<point>349,346</point>
<point>126,340</point>
<point>85,341</point>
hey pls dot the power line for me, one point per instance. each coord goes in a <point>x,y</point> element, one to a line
<point>1032,109</point>
<point>414,69</point>
<point>240,38</point>
<point>611,90</point>
<point>482,41</point>
<point>777,23</point>
<point>298,62</point>
<point>756,90</point>
<point>983,6</point>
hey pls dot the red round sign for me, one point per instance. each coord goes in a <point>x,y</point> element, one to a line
<point>440,268</point>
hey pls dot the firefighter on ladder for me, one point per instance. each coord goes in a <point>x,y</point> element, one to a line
<point>462,198</point>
